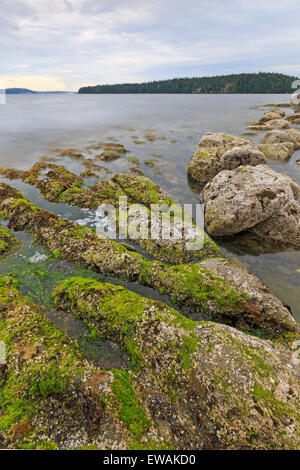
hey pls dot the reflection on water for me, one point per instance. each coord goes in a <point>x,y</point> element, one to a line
<point>32,127</point>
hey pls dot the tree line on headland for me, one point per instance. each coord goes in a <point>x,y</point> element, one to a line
<point>236,83</point>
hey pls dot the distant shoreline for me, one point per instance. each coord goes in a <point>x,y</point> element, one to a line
<point>25,91</point>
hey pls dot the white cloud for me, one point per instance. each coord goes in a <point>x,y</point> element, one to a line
<point>106,41</point>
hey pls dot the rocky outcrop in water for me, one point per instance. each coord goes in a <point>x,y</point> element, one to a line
<point>61,185</point>
<point>191,286</point>
<point>236,200</point>
<point>53,398</point>
<point>274,119</point>
<point>217,152</point>
<point>257,199</point>
<point>279,151</point>
<point>275,113</point>
<point>280,136</point>
<point>185,368</point>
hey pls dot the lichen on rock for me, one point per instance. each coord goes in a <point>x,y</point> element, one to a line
<point>256,199</point>
<point>218,151</point>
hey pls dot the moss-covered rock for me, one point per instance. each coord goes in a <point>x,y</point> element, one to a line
<point>60,185</point>
<point>53,398</point>
<point>193,286</point>
<point>282,136</point>
<point>223,292</point>
<point>7,241</point>
<point>206,385</point>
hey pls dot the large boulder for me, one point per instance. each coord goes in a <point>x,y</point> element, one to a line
<point>217,152</point>
<point>237,200</point>
<point>295,102</point>
<point>282,229</point>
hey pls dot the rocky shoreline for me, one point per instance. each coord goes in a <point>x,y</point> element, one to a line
<point>227,382</point>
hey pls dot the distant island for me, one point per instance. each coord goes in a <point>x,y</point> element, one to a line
<point>22,91</point>
<point>236,83</point>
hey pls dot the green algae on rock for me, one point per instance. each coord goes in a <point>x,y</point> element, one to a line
<point>53,398</point>
<point>7,241</point>
<point>223,292</point>
<point>192,286</point>
<point>206,385</point>
<point>60,185</point>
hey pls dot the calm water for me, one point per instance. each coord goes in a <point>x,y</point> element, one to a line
<point>33,126</point>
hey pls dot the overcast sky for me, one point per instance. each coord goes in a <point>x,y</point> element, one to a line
<point>64,44</point>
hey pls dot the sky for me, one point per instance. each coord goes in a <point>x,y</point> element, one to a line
<point>64,44</point>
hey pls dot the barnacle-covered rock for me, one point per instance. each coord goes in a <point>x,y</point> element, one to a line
<point>186,368</point>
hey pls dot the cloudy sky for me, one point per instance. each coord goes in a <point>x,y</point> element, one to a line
<point>64,44</point>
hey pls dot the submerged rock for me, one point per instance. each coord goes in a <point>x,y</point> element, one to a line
<point>236,200</point>
<point>204,385</point>
<point>260,127</point>
<point>217,152</point>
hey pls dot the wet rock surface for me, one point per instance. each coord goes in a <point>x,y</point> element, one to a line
<point>201,365</point>
<point>194,288</point>
<point>60,185</point>
<point>51,397</point>
<point>185,384</point>
<point>282,136</point>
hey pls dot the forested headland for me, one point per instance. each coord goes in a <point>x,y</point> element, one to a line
<point>235,83</point>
